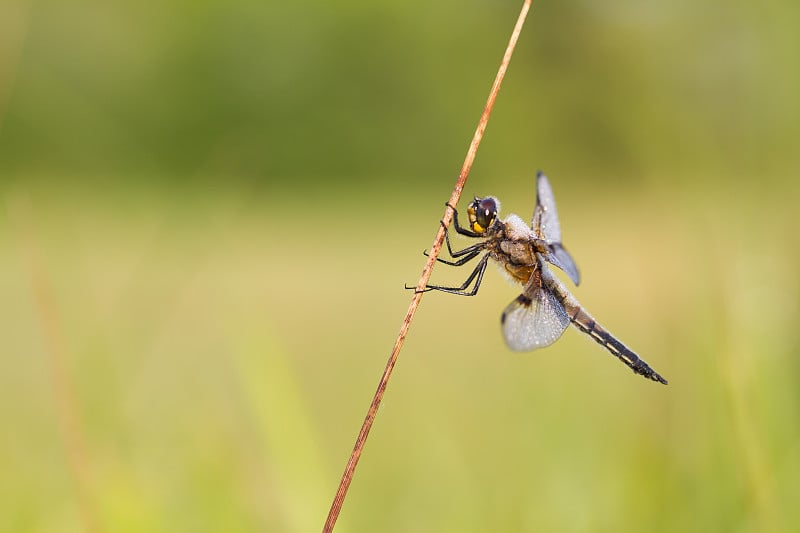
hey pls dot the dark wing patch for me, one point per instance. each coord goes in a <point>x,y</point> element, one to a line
<point>535,319</point>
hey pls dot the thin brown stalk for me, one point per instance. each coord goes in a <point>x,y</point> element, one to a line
<point>347,476</point>
<point>70,427</point>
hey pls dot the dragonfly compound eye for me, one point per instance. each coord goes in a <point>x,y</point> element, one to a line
<point>482,213</point>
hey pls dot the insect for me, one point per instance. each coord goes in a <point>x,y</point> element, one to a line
<point>538,316</point>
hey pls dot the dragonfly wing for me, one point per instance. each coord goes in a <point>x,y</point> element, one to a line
<point>535,319</point>
<point>545,223</point>
<point>545,226</point>
<point>559,256</point>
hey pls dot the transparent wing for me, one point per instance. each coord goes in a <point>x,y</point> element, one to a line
<point>534,320</point>
<point>546,226</point>
<point>545,223</point>
<point>559,256</point>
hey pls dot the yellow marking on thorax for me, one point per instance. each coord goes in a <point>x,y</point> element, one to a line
<point>520,273</point>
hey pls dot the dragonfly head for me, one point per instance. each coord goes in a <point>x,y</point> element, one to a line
<point>482,213</point>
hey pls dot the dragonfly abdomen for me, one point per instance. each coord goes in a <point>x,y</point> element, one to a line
<point>587,324</point>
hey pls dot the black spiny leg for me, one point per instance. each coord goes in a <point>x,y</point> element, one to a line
<point>471,252</point>
<point>467,254</point>
<point>461,262</point>
<point>476,275</point>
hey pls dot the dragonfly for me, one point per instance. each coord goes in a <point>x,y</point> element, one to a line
<point>541,313</point>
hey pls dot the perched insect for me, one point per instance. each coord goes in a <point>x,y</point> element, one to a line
<point>538,316</point>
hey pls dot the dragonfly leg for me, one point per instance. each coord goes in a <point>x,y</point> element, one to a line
<point>460,262</point>
<point>471,252</point>
<point>476,275</point>
<point>465,251</point>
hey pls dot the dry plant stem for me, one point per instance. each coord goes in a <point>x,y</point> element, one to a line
<point>69,423</point>
<point>347,476</point>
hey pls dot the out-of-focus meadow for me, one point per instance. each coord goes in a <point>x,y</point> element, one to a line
<point>210,210</point>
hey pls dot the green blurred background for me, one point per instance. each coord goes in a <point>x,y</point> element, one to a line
<point>210,209</point>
